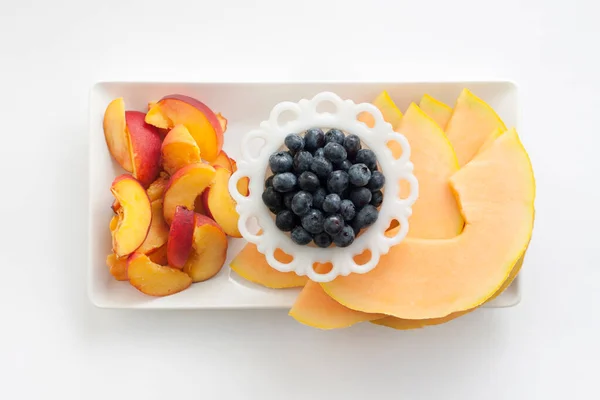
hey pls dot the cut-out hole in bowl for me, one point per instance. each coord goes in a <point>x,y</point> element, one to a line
<point>322,268</point>
<point>392,229</point>
<point>326,106</point>
<point>396,149</point>
<point>363,258</point>
<point>282,256</point>
<point>253,226</point>
<point>366,118</point>
<point>243,186</point>
<point>404,191</point>
<point>255,146</point>
<point>286,117</point>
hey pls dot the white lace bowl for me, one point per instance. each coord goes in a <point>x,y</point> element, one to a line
<point>272,134</point>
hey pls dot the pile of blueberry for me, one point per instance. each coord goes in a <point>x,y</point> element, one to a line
<point>325,188</point>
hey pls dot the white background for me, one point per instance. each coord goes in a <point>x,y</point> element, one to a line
<point>54,343</point>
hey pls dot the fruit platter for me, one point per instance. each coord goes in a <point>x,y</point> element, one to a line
<point>405,205</point>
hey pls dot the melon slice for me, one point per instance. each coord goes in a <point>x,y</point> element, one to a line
<point>435,215</point>
<point>252,265</point>
<point>423,278</point>
<point>391,113</point>
<point>437,110</point>
<point>490,140</point>
<point>471,124</point>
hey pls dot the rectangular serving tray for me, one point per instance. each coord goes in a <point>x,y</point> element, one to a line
<point>245,105</point>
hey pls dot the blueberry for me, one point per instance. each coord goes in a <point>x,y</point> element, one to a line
<point>287,199</point>
<point>338,181</point>
<point>365,217</point>
<point>294,142</point>
<point>320,152</point>
<point>334,136</point>
<point>332,203</point>
<point>347,210</point>
<point>359,174</point>
<point>300,236</point>
<point>333,224</point>
<point>367,157</point>
<point>302,203</point>
<point>360,197</point>
<point>345,237</point>
<point>343,166</point>
<point>302,162</point>
<point>271,198</point>
<point>313,139</point>
<point>285,182</point>
<point>319,198</point>
<point>281,162</point>
<point>313,221</point>
<point>285,220</point>
<point>322,240</point>
<point>322,167</point>
<point>335,152</point>
<point>376,198</point>
<point>308,181</point>
<point>269,182</point>
<point>352,145</point>
<point>377,181</point>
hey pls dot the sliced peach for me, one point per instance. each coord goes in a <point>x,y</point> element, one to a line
<point>222,160</point>
<point>199,119</point>
<point>159,256</point>
<point>209,250</point>
<point>199,205</point>
<point>181,235</point>
<point>134,216</point>
<point>144,147</point>
<point>154,279</point>
<point>220,205</point>
<point>185,185</point>
<point>179,149</point>
<point>115,206</point>
<point>222,122</point>
<point>156,190</point>
<point>115,133</point>
<point>159,230</point>
<point>117,266</point>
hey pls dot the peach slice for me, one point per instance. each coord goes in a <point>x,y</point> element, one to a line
<point>185,185</point>
<point>158,232</point>
<point>153,279</point>
<point>220,205</point>
<point>222,160</point>
<point>115,133</point>
<point>134,216</point>
<point>179,149</point>
<point>199,119</point>
<point>181,235</point>
<point>209,250</point>
<point>159,256</point>
<point>117,266</point>
<point>144,147</point>
<point>222,122</point>
<point>156,190</point>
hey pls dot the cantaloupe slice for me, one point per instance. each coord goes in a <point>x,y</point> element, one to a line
<point>250,264</point>
<point>471,124</point>
<point>422,278</point>
<point>437,110</point>
<point>490,140</point>
<point>435,215</point>
<point>391,113</point>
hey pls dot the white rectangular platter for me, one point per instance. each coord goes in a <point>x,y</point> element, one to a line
<point>245,105</point>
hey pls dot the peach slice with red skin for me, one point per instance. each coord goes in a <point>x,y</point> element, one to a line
<point>115,133</point>
<point>134,216</point>
<point>181,235</point>
<point>154,279</point>
<point>179,149</point>
<point>198,118</point>
<point>144,147</point>
<point>158,232</point>
<point>209,250</point>
<point>185,185</point>
<point>156,190</point>
<point>222,160</point>
<point>222,121</point>
<point>219,204</point>
<point>159,256</point>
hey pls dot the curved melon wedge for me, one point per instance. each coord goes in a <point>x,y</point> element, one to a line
<point>391,113</point>
<point>420,279</point>
<point>252,265</point>
<point>437,110</point>
<point>471,124</point>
